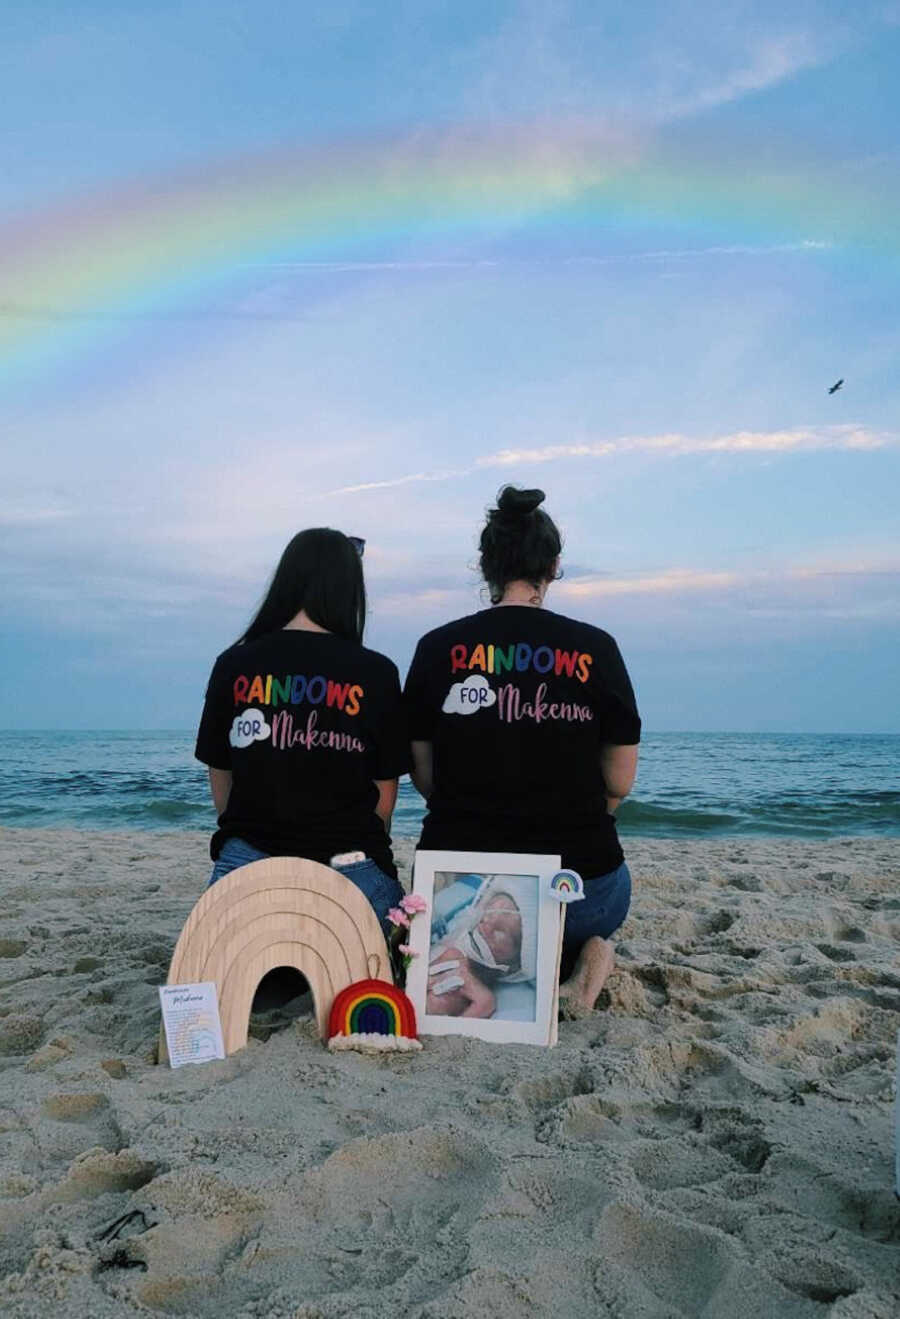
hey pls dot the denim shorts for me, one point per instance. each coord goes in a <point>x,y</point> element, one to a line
<point>382,891</point>
<point>601,912</point>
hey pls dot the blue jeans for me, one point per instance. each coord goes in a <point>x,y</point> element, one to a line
<point>382,891</point>
<point>601,912</point>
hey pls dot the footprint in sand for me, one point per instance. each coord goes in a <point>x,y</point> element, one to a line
<point>735,1133</point>
<point>52,1052</point>
<point>653,978</point>
<point>360,1220</point>
<point>177,1237</point>
<point>74,1107</point>
<point>663,1167</point>
<point>20,1034</point>
<point>745,883</point>
<point>68,1124</point>
<point>545,1092</point>
<point>851,934</point>
<point>652,1264</point>
<point>715,923</point>
<point>835,954</point>
<point>595,1118</point>
<point>821,1280</point>
<point>98,1171</point>
<point>824,1195</point>
<point>85,965</point>
<point>702,1070</point>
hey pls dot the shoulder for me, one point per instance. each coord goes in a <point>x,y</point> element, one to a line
<point>603,642</point>
<point>438,636</point>
<point>379,664</point>
<point>230,659</point>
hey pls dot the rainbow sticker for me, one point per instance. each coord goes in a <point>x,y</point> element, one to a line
<point>372,1015</point>
<point>567,886</point>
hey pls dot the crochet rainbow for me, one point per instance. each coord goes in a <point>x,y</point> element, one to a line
<point>372,1014</point>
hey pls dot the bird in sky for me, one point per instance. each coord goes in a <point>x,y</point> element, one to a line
<point>835,387</point>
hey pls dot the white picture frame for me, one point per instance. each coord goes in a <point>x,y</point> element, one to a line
<point>510,891</point>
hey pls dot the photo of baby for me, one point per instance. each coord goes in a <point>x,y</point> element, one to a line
<point>483,946</point>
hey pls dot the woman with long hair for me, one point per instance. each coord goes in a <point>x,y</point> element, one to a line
<point>302,729</point>
<point>525,734</point>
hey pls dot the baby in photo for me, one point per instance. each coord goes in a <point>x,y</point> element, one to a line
<point>491,938</point>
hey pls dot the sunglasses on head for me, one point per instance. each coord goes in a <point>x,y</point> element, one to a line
<point>358,544</point>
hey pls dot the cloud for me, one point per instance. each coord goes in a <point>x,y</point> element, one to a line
<point>784,581</point>
<point>32,514</point>
<point>797,440</point>
<point>248,726</point>
<point>339,267</point>
<point>390,482</point>
<point>800,439</point>
<point>687,59</point>
<point>769,61</point>
<point>672,582</point>
<point>267,302</point>
<point>808,245</point>
<point>405,600</point>
<point>470,696</point>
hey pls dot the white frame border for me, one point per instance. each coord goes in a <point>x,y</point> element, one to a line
<point>551,915</point>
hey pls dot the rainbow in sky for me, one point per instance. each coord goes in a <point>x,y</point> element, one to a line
<point>74,276</point>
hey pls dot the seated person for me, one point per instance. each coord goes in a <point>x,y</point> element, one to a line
<point>525,734</point>
<point>302,729</point>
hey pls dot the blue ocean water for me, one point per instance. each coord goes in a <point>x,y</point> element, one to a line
<point>689,784</point>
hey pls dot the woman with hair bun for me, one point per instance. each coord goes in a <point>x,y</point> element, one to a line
<point>525,734</point>
<point>302,728</point>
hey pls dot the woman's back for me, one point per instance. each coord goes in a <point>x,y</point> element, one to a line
<point>302,728</point>
<point>524,734</point>
<point>517,703</point>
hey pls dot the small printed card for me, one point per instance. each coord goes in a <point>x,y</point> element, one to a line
<point>191,1018</point>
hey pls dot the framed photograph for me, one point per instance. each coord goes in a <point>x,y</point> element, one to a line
<point>488,946</point>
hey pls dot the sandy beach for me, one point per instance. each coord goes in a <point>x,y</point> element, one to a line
<point>716,1139</point>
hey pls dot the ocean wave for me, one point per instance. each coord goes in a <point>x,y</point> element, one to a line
<point>689,785</point>
<point>860,813</point>
<point>652,818</point>
<point>106,813</point>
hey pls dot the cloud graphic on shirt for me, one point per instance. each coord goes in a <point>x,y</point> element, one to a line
<point>470,696</point>
<point>248,726</point>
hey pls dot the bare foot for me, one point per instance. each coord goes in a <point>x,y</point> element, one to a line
<point>579,993</point>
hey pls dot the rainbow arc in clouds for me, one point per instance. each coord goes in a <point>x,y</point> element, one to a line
<point>69,276</point>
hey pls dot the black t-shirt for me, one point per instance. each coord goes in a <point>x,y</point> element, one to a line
<point>305,722</point>
<point>517,703</point>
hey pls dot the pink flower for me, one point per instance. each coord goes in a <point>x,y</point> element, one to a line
<point>398,917</point>
<point>406,950</point>
<point>413,903</point>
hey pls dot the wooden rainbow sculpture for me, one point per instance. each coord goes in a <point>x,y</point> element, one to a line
<point>371,1015</point>
<point>279,912</point>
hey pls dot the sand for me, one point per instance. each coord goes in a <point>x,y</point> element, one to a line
<point>716,1139</point>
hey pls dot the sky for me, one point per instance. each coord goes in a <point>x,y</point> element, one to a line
<point>360,263</point>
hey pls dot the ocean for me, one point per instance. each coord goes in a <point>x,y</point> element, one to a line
<point>689,784</point>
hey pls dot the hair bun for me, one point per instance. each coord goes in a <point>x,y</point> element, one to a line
<point>519,503</point>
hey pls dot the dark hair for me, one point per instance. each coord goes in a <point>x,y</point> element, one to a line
<point>320,571</point>
<point>520,542</point>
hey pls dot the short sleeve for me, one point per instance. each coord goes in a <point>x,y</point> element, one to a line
<point>421,711</point>
<point>213,747</point>
<point>391,756</point>
<point>620,723</point>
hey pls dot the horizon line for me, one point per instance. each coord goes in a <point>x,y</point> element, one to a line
<point>651,732</point>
